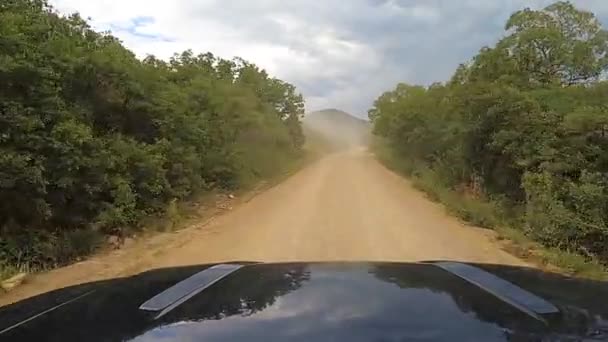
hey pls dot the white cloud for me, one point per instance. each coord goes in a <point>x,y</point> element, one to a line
<point>339,54</point>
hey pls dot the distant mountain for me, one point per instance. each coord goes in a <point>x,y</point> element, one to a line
<point>337,115</point>
<point>341,129</point>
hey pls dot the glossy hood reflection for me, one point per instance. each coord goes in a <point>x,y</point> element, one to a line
<point>316,302</point>
<point>331,302</point>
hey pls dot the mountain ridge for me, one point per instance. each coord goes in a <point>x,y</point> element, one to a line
<point>342,129</point>
<point>335,112</point>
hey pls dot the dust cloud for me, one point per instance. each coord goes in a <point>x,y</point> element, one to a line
<point>336,130</point>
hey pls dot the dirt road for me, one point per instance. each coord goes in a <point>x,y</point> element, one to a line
<point>345,206</point>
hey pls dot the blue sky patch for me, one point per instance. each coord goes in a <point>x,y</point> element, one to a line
<point>133,28</point>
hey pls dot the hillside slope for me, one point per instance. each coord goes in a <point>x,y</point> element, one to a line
<point>337,128</point>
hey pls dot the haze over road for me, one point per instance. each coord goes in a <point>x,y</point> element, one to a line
<point>345,206</point>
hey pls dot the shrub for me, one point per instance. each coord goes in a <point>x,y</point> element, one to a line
<point>516,124</point>
<point>104,139</point>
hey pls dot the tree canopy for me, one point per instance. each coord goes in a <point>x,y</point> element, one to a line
<point>524,122</point>
<point>92,138</point>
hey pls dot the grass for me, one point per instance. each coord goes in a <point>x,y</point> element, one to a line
<point>490,214</point>
<point>7,271</point>
<point>552,258</point>
<point>480,213</point>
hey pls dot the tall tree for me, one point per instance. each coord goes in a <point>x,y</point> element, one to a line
<point>558,44</point>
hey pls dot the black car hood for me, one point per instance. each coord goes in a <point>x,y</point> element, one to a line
<point>313,302</point>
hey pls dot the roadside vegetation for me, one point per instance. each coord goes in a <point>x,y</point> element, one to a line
<point>517,140</point>
<point>94,140</point>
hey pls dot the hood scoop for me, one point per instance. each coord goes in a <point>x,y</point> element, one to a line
<point>513,295</point>
<point>179,293</point>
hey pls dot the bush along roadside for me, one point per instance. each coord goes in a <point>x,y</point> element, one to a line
<point>518,136</point>
<point>93,140</point>
<point>494,214</point>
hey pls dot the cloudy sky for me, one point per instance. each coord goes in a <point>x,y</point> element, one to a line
<point>340,54</point>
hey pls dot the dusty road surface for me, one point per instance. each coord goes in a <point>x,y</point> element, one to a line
<point>345,206</point>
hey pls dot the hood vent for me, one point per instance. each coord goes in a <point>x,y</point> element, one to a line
<point>523,300</point>
<point>177,294</point>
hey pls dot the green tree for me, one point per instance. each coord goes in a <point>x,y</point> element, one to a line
<point>524,123</point>
<point>92,139</point>
<point>558,44</point>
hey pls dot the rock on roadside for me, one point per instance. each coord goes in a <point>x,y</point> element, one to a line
<point>13,281</point>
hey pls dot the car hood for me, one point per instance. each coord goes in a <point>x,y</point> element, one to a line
<point>313,302</point>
